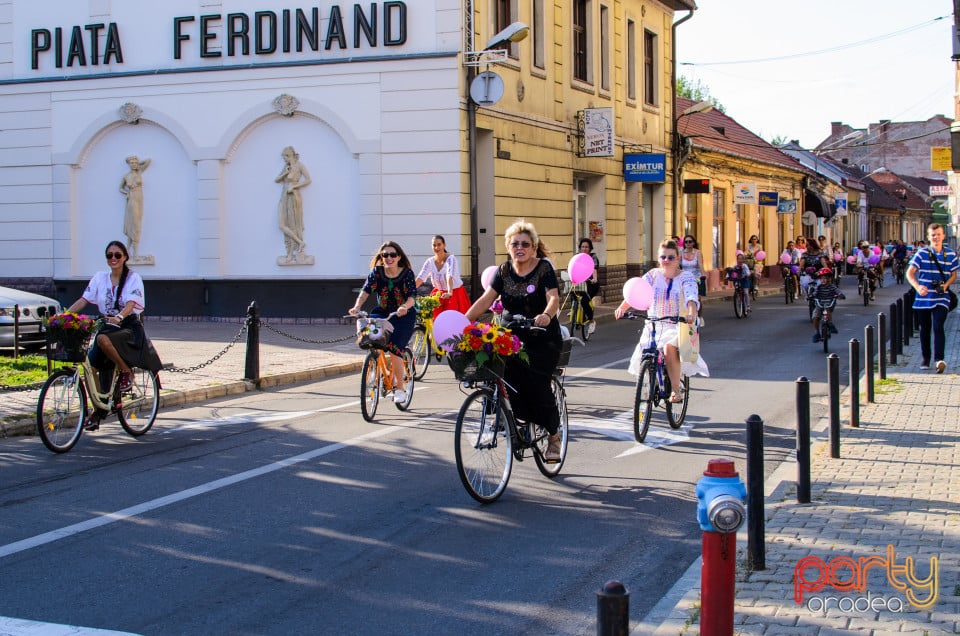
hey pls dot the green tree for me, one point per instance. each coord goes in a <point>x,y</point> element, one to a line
<point>697,92</point>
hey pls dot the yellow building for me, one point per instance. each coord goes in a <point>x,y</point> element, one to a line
<point>588,93</point>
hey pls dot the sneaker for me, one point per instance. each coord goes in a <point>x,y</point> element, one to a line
<point>400,396</point>
<point>816,337</point>
<point>925,366</point>
<point>833,329</point>
<point>124,383</point>
<point>92,423</point>
<point>941,365</point>
<point>591,327</point>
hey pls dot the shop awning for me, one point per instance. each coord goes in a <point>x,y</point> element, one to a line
<point>816,203</point>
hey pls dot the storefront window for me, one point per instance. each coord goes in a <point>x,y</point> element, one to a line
<point>718,198</point>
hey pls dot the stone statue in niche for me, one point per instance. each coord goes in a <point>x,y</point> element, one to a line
<point>132,187</point>
<point>293,177</point>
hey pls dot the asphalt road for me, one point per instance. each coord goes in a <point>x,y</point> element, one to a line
<point>284,512</point>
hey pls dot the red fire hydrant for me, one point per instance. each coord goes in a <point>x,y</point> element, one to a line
<point>720,511</point>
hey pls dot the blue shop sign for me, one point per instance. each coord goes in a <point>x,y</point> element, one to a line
<point>646,168</point>
<point>768,198</point>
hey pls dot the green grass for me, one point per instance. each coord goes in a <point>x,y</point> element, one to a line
<point>26,369</point>
<point>889,385</point>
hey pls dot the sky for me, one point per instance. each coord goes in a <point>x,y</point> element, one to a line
<point>852,61</point>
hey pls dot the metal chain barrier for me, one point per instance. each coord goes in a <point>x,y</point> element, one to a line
<point>350,336</point>
<point>196,367</point>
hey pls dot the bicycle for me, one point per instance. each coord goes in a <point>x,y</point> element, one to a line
<point>376,375</point>
<point>740,306</point>
<point>488,437</point>
<point>827,327</point>
<point>899,270</point>
<point>423,344</point>
<point>576,296</point>
<point>789,285</point>
<point>63,403</point>
<point>867,284</point>
<point>653,384</point>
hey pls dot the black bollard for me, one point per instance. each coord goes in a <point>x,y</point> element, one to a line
<point>896,333</point>
<point>870,344</point>
<point>907,320</point>
<point>803,440</point>
<point>251,369</point>
<point>854,382</point>
<point>833,382</point>
<point>893,334</point>
<point>882,347</point>
<point>756,541</point>
<point>613,610</point>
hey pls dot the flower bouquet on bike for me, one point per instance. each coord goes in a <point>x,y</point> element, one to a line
<point>68,335</point>
<point>481,350</point>
<point>426,305</point>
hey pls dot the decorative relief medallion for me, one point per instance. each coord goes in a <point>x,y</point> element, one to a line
<point>131,113</point>
<point>286,105</point>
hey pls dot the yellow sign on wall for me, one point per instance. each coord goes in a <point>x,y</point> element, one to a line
<point>940,158</point>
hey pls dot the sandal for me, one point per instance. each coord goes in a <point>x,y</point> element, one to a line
<point>677,396</point>
<point>552,455</point>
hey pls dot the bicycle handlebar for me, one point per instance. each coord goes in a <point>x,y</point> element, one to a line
<point>363,314</point>
<point>522,322</point>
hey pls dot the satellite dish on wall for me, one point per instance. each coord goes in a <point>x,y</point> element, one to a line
<point>809,218</point>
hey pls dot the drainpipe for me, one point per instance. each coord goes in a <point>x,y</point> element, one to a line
<point>674,138</point>
<point>472,157</point>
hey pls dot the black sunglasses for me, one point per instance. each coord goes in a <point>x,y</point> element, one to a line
<point>116,255</point>
<point>517,244</point>
<point>388,254</point>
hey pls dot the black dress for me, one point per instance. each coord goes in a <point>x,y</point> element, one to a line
<point>531,395</point>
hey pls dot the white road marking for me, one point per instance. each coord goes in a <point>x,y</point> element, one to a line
<point>34,628</point>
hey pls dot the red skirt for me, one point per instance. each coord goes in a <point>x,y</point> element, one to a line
<point>459,301</point>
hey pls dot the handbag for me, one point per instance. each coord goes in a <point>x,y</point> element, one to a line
<point>951,297</point>
<point>688,343</point>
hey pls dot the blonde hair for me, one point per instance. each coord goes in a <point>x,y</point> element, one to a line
<point>520,226</point>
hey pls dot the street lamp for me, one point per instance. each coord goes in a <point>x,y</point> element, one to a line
<point>679,158</point>
<point>491,54</point>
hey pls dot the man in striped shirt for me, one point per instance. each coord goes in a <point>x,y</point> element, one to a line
<point>931,271</point>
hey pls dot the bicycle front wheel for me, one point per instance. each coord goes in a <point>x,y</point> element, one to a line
<point>552,469</point>
<point>420,345</point>
<point>61,409</point>
<point>738,303</point>
<point>676,411</point>
<point>643,400</point>
<point>483,446</point>
<point>370,386</point>
<point>138,406</point>
<point>410,378</point>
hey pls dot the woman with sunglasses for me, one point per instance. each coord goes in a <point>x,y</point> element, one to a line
<point>756,265</point>
<point>691,261</point>
<point>674,294</point>
<point>118,294</point>
<point>527,286</point>
<point>444,272</point>
<point>392,280</point>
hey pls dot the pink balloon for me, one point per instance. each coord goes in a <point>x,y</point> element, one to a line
<point>486,278</point>
<point>837,256</point>
<point>638,292</point>
<point>785,258</point>
<point>851,259</point>
<point>876,249</point>
<point>448,324</point>
<point>874,259</point>
<point>761,255</point>
<point>580,268</point>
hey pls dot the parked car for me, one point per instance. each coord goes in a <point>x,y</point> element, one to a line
<point>33,307</point>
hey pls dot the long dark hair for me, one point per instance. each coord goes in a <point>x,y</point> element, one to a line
<point>403,261</point>
<point>123,273</point>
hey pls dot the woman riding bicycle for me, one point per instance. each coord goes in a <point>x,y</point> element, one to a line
<point>593,283</point>
<point>443,271</point>
<point>527,286</point>
<point>119,296</point>
<point>756,265</point>
<point>392,280</point>
<point>866,271</point>
<point>674,291</point>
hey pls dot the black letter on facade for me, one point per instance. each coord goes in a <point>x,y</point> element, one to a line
<point>388,9</point>
<point>179,37</point>
<point>362,24</point>
<point>335,29</point>
<point>112,46</point>
<point>270,30</point>
<point>39,42</point>
<point>307,28</point>
<point>94,30</point>
<point>286,30</point>
<point>76,48</point>
<point>206,35</point>
<point>234,32</point>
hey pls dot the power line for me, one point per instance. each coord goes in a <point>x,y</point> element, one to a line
<point>833,49</point>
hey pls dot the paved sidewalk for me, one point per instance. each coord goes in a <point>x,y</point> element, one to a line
<point>896,483</point>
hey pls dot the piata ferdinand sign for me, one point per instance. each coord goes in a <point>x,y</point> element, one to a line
<point>230,35</point>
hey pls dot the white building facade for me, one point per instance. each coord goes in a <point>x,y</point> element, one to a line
<point>211,92</point>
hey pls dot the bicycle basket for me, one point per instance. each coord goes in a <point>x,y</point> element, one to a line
<point>466,369</point>
<point>67,345</point>
<point>565,349</point>
<point>373,333</point>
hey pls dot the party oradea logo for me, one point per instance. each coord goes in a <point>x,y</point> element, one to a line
<point>865,579</point>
